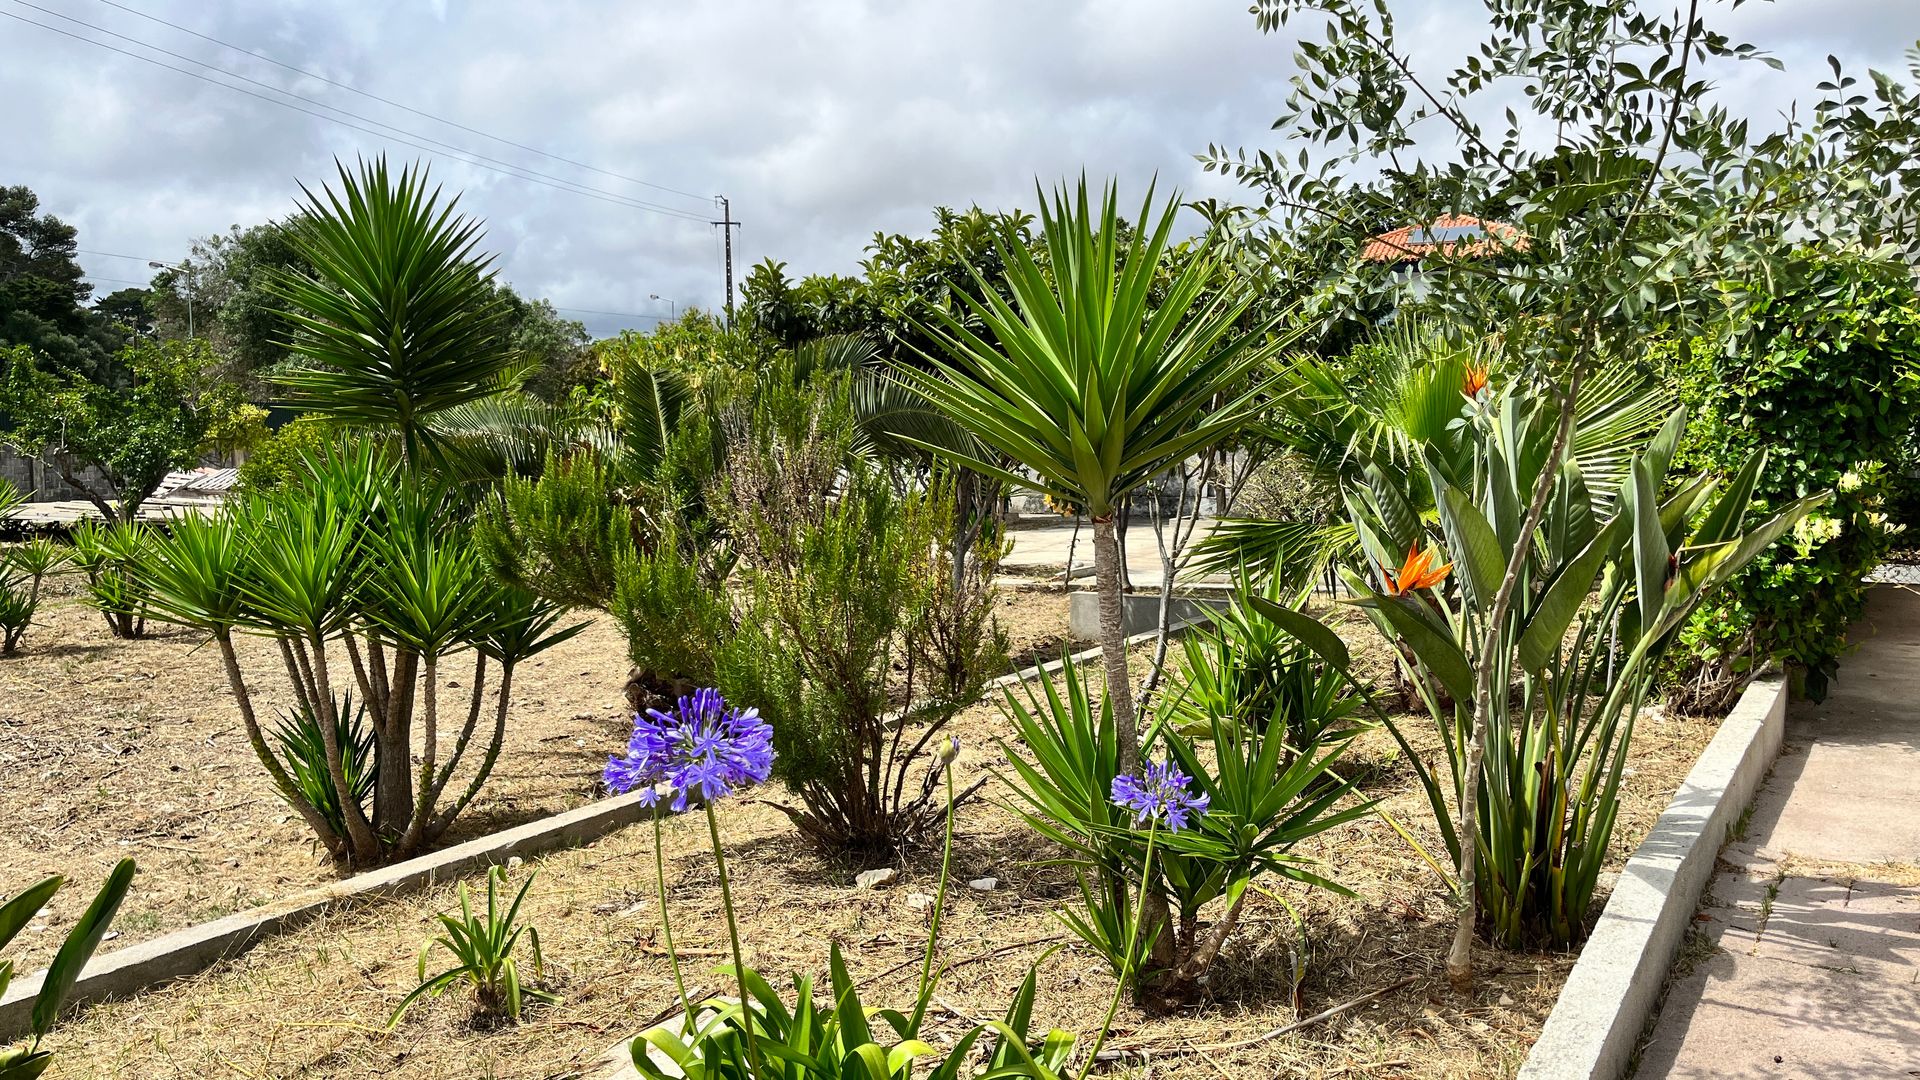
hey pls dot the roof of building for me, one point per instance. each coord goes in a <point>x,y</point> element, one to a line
<point>1450,234</point>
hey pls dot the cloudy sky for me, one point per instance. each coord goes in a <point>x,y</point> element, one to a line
<point>822,121</point>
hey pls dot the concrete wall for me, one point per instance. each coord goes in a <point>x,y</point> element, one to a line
<point>37,478</point>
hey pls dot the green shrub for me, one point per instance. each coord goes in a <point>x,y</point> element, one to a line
<point>275,457</point>
<point>1825,375</point>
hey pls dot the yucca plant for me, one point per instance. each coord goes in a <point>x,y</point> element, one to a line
<point>304,750</point>
<point>400,320</point>
<point>1092,380</point>
<point>483,950</point>
<point>1247,670</point>
<point>1605,586</point>
<point>110,555</point>
<point>1266,795</point>
<point>29,1061</point>
<point>22,570</point>
<point>366,580</point>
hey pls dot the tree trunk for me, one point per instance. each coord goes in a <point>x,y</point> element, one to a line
<point>1154,918</point>
<point>1113,641</point>
<point>393,749</point>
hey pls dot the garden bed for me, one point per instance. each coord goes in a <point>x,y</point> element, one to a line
<point>315,1002</point>
<point>113,748</point>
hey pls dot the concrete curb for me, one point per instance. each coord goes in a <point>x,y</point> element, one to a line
<point>1603,1008</point>
<point>196,948</point>
<point>192,950</point>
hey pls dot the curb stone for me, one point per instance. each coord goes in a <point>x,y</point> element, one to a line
<point>1604,1006</point>
<point>164,959</point>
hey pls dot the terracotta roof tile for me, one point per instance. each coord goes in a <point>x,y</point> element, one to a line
<point>1451,234</point>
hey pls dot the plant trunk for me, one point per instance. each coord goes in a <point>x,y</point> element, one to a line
<point>393,750</point>
<point>430,740</point>
<point>362,846</point>
<point>1113,641</point>
<point>244,699</point>
<point>1113,650</point>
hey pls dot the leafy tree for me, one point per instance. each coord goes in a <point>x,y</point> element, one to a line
<point>1631,218</point>
<point>789,313</point>
<point>227,277</point>
<point>554,347</point>
<point>171,408</point>
<point>43,290</point>
<point>129,309</point>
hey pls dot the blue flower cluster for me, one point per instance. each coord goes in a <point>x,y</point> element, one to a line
<point>702,750</point>
<point>1160,792</point>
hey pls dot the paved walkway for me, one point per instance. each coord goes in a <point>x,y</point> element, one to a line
<point>1815,914</point>
<point>1046,546</point>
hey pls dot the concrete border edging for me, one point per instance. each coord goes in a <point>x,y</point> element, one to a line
<point>190,951</point>
<point>1603,1008</point>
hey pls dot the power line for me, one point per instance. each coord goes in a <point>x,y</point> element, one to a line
<point>113,255</point>
<point>515,171</point>
<point>404,108</point>
<point>616,314</point>
<point>141,258</point>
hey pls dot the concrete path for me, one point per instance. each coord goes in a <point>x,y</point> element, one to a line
<point>1046,545</point>
<point>1808,964</point>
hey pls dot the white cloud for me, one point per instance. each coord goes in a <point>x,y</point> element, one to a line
<point>822,121</point>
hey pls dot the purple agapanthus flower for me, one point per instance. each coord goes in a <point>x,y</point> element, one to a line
<point>1160,792</point>
<point>702,750</point>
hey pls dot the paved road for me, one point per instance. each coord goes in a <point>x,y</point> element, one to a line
<point>1815,914</point>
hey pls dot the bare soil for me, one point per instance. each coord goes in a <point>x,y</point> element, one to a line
<point>111,748</point>
<point>315,1003</point>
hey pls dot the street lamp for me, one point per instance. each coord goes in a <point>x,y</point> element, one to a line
<point>186,276</point>
<point>672,305</point>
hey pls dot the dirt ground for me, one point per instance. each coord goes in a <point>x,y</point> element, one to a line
<point>110,748</point>
<point>315,1003</point>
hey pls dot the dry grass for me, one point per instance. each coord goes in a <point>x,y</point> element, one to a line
<point>313,1003</point>
<point>112,748</point>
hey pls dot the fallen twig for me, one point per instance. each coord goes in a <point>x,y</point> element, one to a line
<point>990,953</point>
<point>1120,1052</point>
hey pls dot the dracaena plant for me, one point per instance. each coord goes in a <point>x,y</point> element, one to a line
<point>1263,793</point>
<point>1604,587</point>
<point>364,579</point>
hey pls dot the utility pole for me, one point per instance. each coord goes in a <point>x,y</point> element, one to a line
<point>727,225</point>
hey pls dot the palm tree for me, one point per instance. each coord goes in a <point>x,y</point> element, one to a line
<point>1088,385</point>
<point>399,319</point>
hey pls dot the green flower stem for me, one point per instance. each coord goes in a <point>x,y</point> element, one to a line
<point>1127,970</point>
<point>733,936</point>
<point>939,905</point>
<point>666,924</point>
